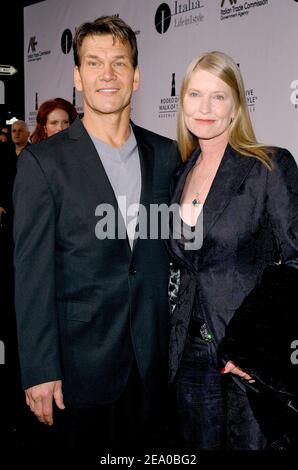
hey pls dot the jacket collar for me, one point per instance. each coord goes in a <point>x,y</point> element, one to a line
<point>233,170</point>
<point>92,165</point>
<point>77,130</point>
<point>231,173</point>
<point>146,155</point>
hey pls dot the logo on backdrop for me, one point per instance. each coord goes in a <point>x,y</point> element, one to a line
<point>251,98</point>
<point>33,54</point>
<point>32,44</point>
<point>67,37</point>
<point>239,8</point>
<point>232,2</point>
<point>168,106</point>
<point>31,120</point>
<point>66,41</point>
<point>294,94</point>
<point>173,85</point>
<point>178,14</point>
<point>162,18</point>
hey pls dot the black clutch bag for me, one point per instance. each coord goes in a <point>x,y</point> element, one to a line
<point>262,337</point>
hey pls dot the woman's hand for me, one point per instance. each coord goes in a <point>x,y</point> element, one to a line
<point>230,367</point>
<point>2,211</point>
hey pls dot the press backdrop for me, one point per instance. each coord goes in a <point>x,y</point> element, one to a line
<point>260,35</point>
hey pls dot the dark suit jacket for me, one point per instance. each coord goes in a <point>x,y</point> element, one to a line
<point>261,338</point>
<point>250,220</point>
<point>86,306</point>
<point>7,175</point>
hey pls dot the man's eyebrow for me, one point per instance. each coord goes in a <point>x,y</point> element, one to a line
<point>119,56</point>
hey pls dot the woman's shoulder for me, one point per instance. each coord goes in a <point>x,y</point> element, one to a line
<point>279,153</point>
<point>281,158</point>
<point>284,169</point>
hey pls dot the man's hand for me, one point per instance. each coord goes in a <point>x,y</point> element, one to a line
<point>231,367</point>
<point>40,399</point>
<point>2,211</point>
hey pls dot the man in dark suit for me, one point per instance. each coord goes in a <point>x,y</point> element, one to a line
<point>7,175</point>
<point>9,371</point>
<point>92,310</point>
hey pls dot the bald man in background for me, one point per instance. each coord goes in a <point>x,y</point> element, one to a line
<point>20,136</point>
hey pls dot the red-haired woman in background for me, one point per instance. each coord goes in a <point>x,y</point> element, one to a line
<point>53,116</point>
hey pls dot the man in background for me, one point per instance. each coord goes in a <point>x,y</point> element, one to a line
<point>20,136</point>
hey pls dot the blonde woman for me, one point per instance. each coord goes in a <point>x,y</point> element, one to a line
<point>239,198</point>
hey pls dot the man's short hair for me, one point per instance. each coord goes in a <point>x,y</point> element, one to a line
<point>104,25</point>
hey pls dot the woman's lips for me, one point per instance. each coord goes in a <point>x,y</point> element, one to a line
<point>205,121</point>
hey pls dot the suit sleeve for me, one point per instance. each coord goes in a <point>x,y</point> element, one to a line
<point>174,164</point>
<point>175,159</point>
<point>7,174</point>
<point>282,205</point>
<point>34,260</point>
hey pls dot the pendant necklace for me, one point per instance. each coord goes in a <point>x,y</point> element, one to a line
<point>196,201</point>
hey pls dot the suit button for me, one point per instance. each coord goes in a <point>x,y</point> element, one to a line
<point>132,271</point>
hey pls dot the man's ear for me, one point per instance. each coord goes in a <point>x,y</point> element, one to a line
<point>77,78</point>
<point>136,79</point>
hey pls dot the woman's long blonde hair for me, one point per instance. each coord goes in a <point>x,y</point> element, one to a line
<point>241,134</point>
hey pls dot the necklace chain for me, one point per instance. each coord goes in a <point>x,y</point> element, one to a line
<point>196,201</point>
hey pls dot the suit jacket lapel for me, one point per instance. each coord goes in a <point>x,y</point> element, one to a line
<point>146,155</point>
<point>231,173</point>
<point>178,185</point>
<point>181,175</point>
<point>91,164</point>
